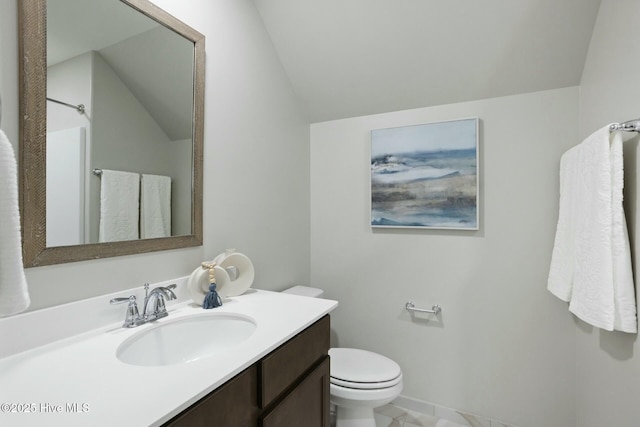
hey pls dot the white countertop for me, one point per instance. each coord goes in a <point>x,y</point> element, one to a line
<point>78,381</point>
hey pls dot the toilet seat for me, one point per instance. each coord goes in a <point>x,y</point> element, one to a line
<point>363,370</point>
<point>366,386</point>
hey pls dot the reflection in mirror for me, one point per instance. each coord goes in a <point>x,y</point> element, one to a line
<point>135,80</point>
<point>123,139</point>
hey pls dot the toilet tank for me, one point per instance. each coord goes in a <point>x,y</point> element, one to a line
<point>305,291</point>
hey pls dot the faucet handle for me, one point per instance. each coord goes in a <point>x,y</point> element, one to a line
<point>132,318</point>
<point>122,300</point>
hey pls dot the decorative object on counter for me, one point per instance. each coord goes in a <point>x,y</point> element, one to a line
<point>234,275</point>
<point>239,268</point>
<point>198,283</point>
<point>232,271</point>
<point>212,299</point>
<point>14,295</point>
<point>220,257</point>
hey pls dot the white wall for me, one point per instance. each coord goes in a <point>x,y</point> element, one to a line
<point>255,142</point>
<point>608,363</point>
<point>256,169</point>
<point>65,183</point>
<point>69,81</point>
<point>181,199</point>
<point>167,93</point>
<point>504,347</point>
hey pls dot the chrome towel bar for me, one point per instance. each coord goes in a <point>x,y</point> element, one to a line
<point>411,308</point>
<point>79,108</point>
<point>630,126</point>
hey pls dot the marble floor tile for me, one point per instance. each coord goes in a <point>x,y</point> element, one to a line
<point>394,416</point>
<point>461,418</point>
<point>391,411</point>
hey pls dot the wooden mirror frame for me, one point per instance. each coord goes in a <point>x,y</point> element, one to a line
<point>33,133</point>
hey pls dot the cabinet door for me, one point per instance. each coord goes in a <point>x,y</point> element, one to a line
<point>293,359</point>
<point>234,404</point>
<point>307,405</point>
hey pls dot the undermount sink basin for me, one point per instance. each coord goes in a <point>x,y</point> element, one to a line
<point>186,339</point>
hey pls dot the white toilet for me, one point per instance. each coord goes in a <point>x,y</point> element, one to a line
<point>360,380</point>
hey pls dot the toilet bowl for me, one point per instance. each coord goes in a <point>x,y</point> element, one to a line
<point>360,380</point>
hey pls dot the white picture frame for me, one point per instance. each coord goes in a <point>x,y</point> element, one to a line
<point>426,176</point>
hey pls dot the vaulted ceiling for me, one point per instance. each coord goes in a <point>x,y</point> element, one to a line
<point>350,58</point>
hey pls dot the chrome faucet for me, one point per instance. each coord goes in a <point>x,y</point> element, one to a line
<point>154,306</point>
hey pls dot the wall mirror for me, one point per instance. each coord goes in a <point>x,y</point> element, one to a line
<point>111,130</point>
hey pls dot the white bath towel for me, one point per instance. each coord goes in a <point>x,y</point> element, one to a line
<point>155,214</point>
<point>585,269</point>
<point>14,294</point>
<point>119,206</point>
<point>560,281</point>
<point>623,286</point>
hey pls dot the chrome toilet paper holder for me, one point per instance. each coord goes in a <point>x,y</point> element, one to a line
<point>411,308</point>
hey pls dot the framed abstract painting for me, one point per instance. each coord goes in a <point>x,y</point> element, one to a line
<point>426,176</point>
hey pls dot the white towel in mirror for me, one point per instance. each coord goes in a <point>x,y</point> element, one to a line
<point>119,206</point>
<point>155,210</point>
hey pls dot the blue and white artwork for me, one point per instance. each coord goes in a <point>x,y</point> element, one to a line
<point>425,176</point>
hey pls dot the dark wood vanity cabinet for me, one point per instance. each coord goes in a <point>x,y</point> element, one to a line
<point>287,388</point>
<point>307,405</point>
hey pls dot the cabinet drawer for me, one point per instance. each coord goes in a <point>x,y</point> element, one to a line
<point>307,405</point>
<point>280,369</point>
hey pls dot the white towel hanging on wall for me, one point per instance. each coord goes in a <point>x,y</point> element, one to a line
<point>14,295</point>
<point>591,261</point>
<point>623,286</point>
